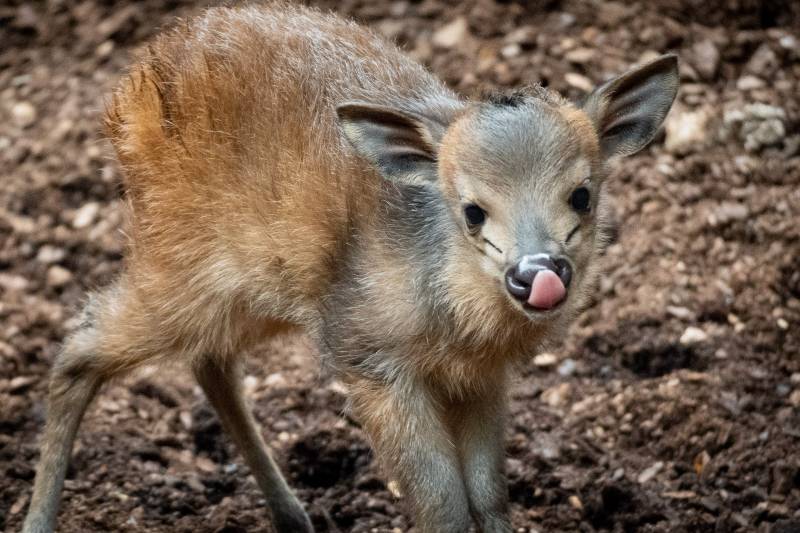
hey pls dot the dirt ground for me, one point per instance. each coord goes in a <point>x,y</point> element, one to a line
<point>673,405</point>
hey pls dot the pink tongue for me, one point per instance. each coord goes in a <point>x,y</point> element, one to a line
<point>547,290</point>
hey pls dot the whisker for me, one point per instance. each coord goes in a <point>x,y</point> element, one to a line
<point>571,233</point>
<point>490,243</point>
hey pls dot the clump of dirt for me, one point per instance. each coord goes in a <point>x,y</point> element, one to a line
<point>674,404</point>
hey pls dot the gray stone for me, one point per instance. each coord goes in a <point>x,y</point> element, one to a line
<point>23,114</point>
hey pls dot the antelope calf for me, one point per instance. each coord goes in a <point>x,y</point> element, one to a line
<point>286,168</point>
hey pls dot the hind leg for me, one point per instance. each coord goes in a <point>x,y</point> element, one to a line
<point>221,383</point>
<point>72,387</point>
<point>88,358</point>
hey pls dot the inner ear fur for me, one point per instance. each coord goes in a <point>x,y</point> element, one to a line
<point>403,146</point>
<point>628,110</point>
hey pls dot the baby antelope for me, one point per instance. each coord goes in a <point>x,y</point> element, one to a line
<point>286,169</point>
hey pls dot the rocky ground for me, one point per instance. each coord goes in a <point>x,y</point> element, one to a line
<point>673,406</point>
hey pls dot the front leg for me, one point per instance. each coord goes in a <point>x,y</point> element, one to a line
<point>404,422</point>
<point>478,426</point>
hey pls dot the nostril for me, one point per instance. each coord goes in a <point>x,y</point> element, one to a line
<point>517,286</point>
<point>564,271</point>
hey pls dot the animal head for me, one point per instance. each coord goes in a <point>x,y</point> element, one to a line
<point>523,177</point>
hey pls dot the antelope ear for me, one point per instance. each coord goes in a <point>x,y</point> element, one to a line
<point>401,145</point>
<point>627,111</point>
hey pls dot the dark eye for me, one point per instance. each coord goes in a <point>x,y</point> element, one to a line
<point>579,199</point>
<point>475,216</point>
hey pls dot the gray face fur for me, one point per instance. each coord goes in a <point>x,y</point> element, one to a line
<point>520,159</point>
<point>523,163</point>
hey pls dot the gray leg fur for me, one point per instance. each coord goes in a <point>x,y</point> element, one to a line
<point>480,439</point>
<point>74,382</point>
<point>222,386</point>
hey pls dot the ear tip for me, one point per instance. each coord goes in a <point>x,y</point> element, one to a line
<point>673,63</point>
<point>673,60</point>
<point>668,61</point>
<point>668,65</point>
<point>346,109</point>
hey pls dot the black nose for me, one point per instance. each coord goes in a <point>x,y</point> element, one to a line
<point>519,278</point>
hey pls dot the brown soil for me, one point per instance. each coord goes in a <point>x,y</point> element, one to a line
<point>632,429</point>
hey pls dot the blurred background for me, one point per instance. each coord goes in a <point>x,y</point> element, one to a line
<point>674,404</point>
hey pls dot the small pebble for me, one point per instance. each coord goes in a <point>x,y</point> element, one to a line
<point>186,419</point>
<point>580,55</point>
<point>23,114</point>
<point>650,472</point>
<point>275,379</point>
<point>104,49</point>
<point>205,464</point>
<point>706,58</point>
<point>749,83</point>
<point>85,215</point>
<point>575,502</point>
<point>680,495</point>
<point>686,130</point>
<point>579,81</point>
<point>249,384</point>
<point>567,367</point>
<point>511,50</point>
<point>545,359</point>
<point>452,34</point>
<point>557,395</point>
<point>794,398</point>
<point>693,335</point>
<point>394,488</point>
<point>50,254</point>
<point>21,383</point>
<point>58,276</point>
<point>12,282</point>
<point>679,312</point>
<point>18,505</point>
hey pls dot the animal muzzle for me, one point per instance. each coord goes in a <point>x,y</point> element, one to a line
<point>540,281</point>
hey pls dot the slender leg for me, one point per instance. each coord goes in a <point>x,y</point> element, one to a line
<point>222,386</point>
<point>77,374</point>
<point>68,400</point>
<point>407,431</point>
<point>478,426</point>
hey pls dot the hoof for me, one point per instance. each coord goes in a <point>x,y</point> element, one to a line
<point>291,518</point>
